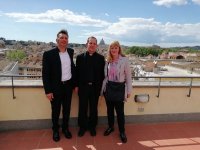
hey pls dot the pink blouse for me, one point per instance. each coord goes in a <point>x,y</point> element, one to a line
<point>112,72</point>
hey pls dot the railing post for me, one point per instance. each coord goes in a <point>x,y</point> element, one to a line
<point>13,90</point>
<point>159,87</point>
<point>190,89</point>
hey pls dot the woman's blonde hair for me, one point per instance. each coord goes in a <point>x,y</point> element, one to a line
<point>109,55</point>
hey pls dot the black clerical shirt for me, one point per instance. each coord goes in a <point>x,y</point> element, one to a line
<point>90,61</point>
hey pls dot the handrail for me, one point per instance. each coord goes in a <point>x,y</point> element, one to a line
<point>12,80</point>
<point>16,75</point>
<point>13,91</point>
<point>156,77</point>
<point>159,87</point>
<point>174,77</point>
<point>190,90</point>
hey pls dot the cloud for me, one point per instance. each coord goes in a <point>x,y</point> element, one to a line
<point>59,16</point>
<point>149,31</point>
<point>126,30</point>
<point>1,13</point>
<point>169,3</point>
<point>196,1</point>
<point>106,14</point>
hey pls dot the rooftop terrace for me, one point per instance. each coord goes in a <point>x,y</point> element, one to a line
<point>169,120</point>
<point>156,136</point>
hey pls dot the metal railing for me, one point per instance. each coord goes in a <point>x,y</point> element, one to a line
<point>159,79</point>
<point>183,79</point>
<point>12,80</point>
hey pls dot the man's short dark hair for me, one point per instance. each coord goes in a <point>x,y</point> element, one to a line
<point>63,32</point>
<point>91,37</point>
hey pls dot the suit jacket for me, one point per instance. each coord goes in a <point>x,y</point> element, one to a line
<point>52,71</point>
<point>81,72</point>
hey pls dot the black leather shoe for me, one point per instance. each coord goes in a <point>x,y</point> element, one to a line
<point>108,131</point>
<point>81,132</point>
<point>93,132</point>
<point>123,137</point>
<point>56,136</point>
<point>67,134</point>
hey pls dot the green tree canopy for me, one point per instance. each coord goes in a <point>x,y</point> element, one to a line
<point>16,55</point>
<point>143,51</point>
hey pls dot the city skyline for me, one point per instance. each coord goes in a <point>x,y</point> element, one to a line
<point>166,23</point>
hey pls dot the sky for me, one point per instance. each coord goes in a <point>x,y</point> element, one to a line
<point>166,23</point>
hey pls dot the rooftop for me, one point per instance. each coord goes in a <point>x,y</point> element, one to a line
<point>169,71</point>
<point>173,71</point>
<point>168,121</point>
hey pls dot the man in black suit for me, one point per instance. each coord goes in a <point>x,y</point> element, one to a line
<point>58,75</point>
<point>90,74</point>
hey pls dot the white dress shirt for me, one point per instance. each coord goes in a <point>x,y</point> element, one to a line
<point>66,66</point>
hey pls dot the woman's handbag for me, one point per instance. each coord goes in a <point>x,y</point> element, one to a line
<point>115,91</point>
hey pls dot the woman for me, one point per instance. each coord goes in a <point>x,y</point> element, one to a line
<point>117,70</point>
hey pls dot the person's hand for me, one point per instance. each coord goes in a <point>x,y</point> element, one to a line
<point>76,89</point>
<point>128,96</point>
<point>50,96</point>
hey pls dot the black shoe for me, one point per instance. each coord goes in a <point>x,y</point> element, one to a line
<point>67,134</point>
<point>93,132</point>
<point>123,137</point>
<point>81,132</point>
<point>108,131</point>
<point>56,136</point>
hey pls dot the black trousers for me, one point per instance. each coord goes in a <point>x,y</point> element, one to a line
<point>88,102</point>
<point>118,106</point>
<point>62,99</point>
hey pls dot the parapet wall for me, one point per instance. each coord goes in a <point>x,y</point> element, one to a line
<point>32,107</point>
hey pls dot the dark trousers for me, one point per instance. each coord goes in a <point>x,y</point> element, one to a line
<point>88,102</point>
<point>61,99</point>
<point>119,108</point>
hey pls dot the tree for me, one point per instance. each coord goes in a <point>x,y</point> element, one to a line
<point>143,51</point>
<point>16,55</point>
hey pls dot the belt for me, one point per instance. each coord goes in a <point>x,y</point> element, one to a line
<point>65,82</point>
